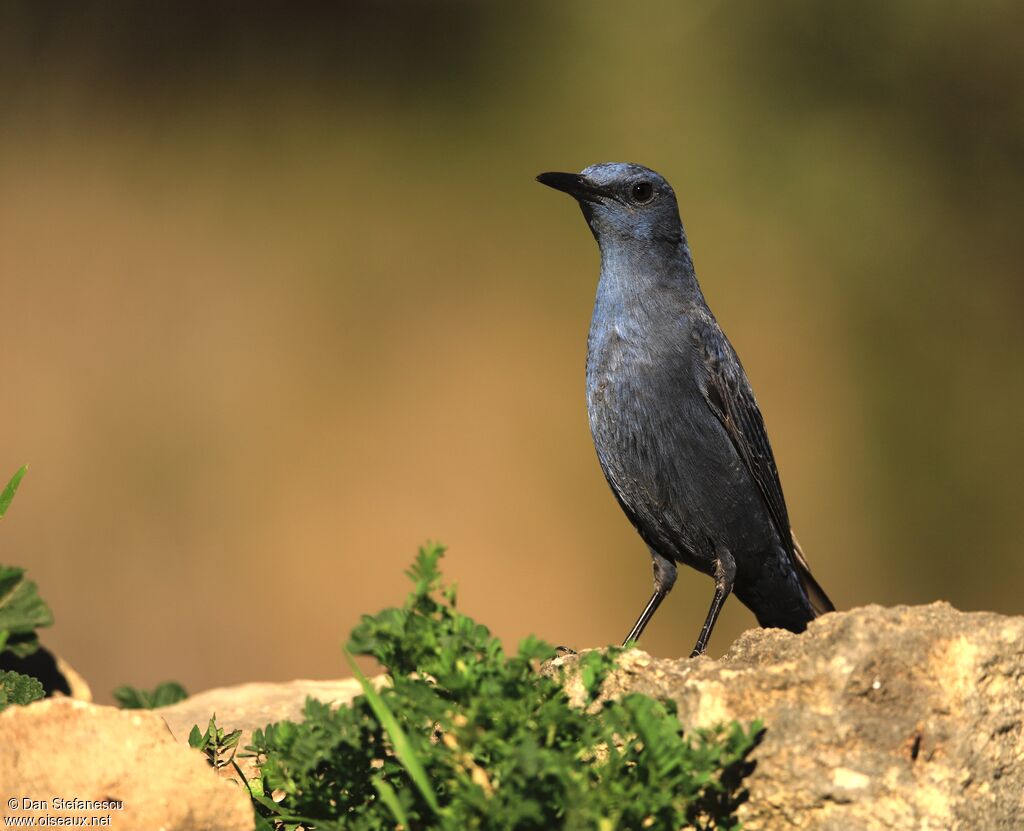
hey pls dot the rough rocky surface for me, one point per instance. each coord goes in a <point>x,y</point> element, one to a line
<point>255,705</point>
<point>877,719</point>
<point>902,718</point>
<point>68,749</point>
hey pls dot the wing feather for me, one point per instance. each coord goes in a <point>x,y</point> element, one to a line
<point>728,394</point>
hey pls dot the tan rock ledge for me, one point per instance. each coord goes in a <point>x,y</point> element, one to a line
<point>877,719</point>
<point>61,749</point>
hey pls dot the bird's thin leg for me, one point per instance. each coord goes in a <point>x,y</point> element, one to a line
<point>645,616</point>
<point>725,575</point>
<point>664,579</point>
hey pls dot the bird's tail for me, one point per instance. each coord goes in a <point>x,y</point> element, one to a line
<point>815,593</point>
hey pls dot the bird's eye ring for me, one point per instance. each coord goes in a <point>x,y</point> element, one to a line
<point>642,192</point>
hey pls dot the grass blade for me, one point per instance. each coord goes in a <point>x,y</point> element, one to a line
<point>390,798</point>
<point>403,750</point>
<point>9,491</point>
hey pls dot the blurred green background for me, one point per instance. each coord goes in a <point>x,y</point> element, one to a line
<point>281,299</point>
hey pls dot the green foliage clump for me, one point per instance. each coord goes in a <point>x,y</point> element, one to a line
<point>464,736</point>
<point>22,611</point>
<point>17,688</point>
<point>163,695</point>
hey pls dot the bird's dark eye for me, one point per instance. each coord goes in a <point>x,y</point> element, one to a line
<point>642,192</point>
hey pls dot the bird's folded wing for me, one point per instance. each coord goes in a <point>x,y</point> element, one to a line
<point>728,394</point>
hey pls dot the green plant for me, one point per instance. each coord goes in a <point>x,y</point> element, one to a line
<point>7,494</point>
<point>132,698</point>
<point>22,611</point>
<point>18,688</point>
<point>464,736</point>
<point>218,746</point>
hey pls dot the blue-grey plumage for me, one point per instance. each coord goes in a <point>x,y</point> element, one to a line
<point>677,430</point>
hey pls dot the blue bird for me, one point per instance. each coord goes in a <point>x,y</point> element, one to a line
<point>677,430</point>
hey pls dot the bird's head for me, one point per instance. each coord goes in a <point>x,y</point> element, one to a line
<point>622,201</point>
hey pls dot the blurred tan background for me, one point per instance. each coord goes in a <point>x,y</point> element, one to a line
<point>281,300</point>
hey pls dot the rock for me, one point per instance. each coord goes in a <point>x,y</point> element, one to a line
<point>902,718</point>
<point>63,749</point>
<point>877,720</point>
<point>255,705</point>
<point>78,687</point>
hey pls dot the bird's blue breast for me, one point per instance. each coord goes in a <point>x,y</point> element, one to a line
<point>654,437</point>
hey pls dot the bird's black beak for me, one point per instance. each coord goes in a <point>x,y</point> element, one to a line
<point>573,184</point>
